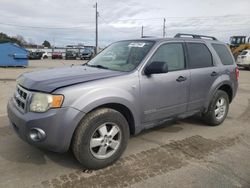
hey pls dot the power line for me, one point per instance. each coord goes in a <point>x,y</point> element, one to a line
<point>187,17</point>
<point>121,20</point>
<point>139,19</point>
<point>44,27</point>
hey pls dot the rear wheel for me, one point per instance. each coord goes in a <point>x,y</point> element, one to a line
<point>218,109</point>
<point>101,138</point>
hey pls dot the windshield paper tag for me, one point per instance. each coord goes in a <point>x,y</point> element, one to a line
<point>137,44</point>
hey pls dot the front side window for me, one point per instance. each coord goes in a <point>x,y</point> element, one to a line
<point>224,54</point>
<point>199,56</point>
<point>172,54</point>
<point>122,56</point>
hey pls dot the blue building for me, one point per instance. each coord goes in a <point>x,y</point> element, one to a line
<point>13,55</point>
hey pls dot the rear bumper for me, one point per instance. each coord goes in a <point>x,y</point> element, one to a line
<point>86,55</point>
<point>56,57</point>
<point>58,125</point>
<point>243,65</point>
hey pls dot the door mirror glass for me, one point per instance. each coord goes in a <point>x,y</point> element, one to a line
<point>156,67</point>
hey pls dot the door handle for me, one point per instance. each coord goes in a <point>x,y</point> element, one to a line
<point>214,73</point>
<point>181,79</point>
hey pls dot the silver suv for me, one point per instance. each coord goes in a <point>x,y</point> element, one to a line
<point>130,86</point>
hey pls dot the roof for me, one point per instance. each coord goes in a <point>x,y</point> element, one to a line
<point>180,36</point>
<point>155,39</point>
<point>13,44</point>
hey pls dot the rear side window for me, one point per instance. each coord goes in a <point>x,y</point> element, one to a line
<point>224,54</point>
<point>199,56</point>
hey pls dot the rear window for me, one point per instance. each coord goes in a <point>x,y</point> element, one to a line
<point>199,56</point>
<point>224,54</point>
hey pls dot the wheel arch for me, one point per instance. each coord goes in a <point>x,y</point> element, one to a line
<point>224,86</point>
<point>124,110</point>
<point>228,89</point>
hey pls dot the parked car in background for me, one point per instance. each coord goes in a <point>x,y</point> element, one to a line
<point>71,54</point>
<point>86,53</point>
<point>56,55</point>
<point>35,55</point>
<point>45,55</point>
<point>243,60</point>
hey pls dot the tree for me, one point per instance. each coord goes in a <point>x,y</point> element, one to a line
<point>21,39</point>
<point>46,44</point>
<point>18,39</point>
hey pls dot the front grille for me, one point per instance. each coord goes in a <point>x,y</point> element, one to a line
<point>21,98</point>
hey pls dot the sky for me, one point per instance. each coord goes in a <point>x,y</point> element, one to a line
<point>64,22</point>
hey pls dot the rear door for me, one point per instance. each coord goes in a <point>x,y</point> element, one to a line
<point>203,73</point>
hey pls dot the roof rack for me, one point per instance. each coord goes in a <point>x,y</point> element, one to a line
<point>179,35</point>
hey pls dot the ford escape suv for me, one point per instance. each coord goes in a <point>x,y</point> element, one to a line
<point>130,86</point>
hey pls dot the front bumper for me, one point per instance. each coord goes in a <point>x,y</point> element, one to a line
<point>58,124</point>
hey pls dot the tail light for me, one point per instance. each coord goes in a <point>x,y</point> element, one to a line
<point>237,73</point>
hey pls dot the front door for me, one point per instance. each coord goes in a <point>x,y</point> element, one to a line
<point>165,95</point>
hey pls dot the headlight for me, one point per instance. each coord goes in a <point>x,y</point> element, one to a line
<point>41,102</point>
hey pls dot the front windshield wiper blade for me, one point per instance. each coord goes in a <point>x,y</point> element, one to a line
<point>97,66</point>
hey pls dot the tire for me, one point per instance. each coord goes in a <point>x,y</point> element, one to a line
<point>216,114</point>
<point>92,128</point>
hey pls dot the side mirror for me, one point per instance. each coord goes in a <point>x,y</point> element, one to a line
<point>156,67</point>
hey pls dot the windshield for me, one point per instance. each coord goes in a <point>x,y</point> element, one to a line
<point>122,56</point>
<point>86,50</point>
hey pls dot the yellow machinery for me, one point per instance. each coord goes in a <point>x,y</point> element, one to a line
<point>238,44</point>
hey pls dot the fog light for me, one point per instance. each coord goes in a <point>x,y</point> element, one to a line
<point>37,134</point>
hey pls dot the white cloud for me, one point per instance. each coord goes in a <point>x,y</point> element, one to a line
<point>122,19</point>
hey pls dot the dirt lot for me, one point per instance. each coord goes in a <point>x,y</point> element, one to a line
<point>183,153</point>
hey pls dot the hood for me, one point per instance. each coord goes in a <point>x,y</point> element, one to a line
<point>52,79</point>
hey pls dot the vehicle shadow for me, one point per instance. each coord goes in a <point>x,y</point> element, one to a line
<point>175,125</point>
<point>15,150</point>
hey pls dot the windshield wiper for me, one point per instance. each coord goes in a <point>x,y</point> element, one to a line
<point>97,66</point>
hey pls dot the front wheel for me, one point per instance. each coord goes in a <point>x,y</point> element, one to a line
<point>101,138</point>
<point>218,109</point>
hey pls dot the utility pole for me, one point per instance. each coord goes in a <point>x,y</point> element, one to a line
<point>142,32</point>
<point>164,27</point>
<point>96,28</point>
